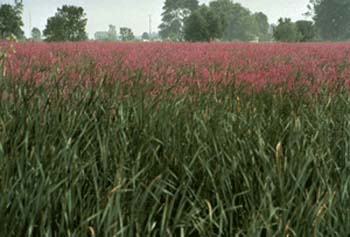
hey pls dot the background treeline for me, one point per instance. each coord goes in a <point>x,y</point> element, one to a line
<point>221,19</point>
<point>187,20</point>
<point>229,21</point>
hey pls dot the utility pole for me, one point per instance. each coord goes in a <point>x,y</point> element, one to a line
<point>30,22</point>
<point>150,26</point>
<point>30,25</point>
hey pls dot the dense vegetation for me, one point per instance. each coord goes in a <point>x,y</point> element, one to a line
<point>11,20</point>
<point>126,153</point>
<point>219,20</point>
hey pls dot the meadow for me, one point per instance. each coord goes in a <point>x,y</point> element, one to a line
<point>174,139</point>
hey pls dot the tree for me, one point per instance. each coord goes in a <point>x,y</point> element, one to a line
<point>203,25</point>
<point>101,36</point>
<point>36,34</point>
<point>306,30</point>
<point>112,33</point>
<point>286,31</point>
<point>332,18</point>
<point>300,31</point>
<point>240,23</point>
<point>126,34</point>
<point>68,24</point>
<point>11,20</point>
<point>145,36</point>
<point>262,26</point>
<point>173,16</point>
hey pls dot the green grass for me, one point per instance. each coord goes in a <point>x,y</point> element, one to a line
<point>115,161</point>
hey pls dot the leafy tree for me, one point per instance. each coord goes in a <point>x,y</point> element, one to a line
<point>145,36</point>
<point>101,36</point>
<point>11,20</point>
<point>112,33</point>
<point>240,24</point>
<point>306,30</point>
<point>126,34</point>
<point>262,26</point>
<point>332,18</point>
<point>286,31</point>
<point>300,31</point>
<point>68,24</point>
<point>36,34</point>
<point>173,16</point>
<point>203,25</point>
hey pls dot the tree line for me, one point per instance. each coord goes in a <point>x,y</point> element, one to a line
<point>125,33</point>
<point>226,20</point>
<point>68,24</point>
<point>221,19</point>
<point>187,20</point>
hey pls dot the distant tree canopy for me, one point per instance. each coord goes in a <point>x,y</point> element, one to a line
<point>36,34</point>
<point>241,24</point>
<point>228,21</point>
<point>11,20</point>
<point>101,36</point>
<point>307,30</point>
<point>145,36</point>
<point>332,18</point>
<point>286,31</point>
<point>300,31</point>
<point>126,34</point>
<point>173,16</point>
<point>203,25</point>
<point>68,24</point>
<point>110,35</point>
<point>263,26</point>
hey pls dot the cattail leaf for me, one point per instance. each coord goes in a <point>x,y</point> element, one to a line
<point>1,152</point>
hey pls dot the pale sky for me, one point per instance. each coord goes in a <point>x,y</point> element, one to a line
<point>134,13</point>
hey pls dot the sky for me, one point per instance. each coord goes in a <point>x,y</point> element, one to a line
<point>135,13</point>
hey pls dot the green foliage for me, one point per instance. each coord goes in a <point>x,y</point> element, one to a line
<point>36,34</point>
<point>68,24</point>
<point>306,30</point>
<point>101,36</point>
<point>240,23</point>
<point>112,33</point>
<point>263,26</point>
<point>126,34</point>
<point>11,20</point>
<point>1,152</point>
<point>286,31</point>
<point>236,22</point>
<point>203,25</point>
<point>145,36</point>
<point>110,160</point>
<point>173,16</point>
<point>300,31</point>
<point>332,18</point>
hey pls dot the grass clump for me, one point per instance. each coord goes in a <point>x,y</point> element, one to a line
<point>115,160</point>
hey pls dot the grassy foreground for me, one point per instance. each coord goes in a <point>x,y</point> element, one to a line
<point>117,161</point>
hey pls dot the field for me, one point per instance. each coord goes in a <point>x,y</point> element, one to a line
<point>174,139</point>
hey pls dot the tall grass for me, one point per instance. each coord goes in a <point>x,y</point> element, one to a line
<point>114,160</point>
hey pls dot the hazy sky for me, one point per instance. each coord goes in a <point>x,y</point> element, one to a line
<point>134,13</point>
